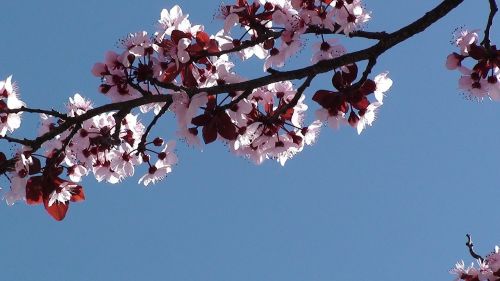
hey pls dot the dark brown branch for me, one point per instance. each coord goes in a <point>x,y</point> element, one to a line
<point>36,110</point>
<point>119,116</point>
<point>168,86</point>
<point>493,11</point>
<point>25,142</point>
<point>141,146</point>
<point>125,105</point>
<point>369,35</point>
<point>239,98</point>
<point>68,139</point>
<point>470,245</point>
<point>368,70</point>
<point>295,98</point>
<point>361,34</point>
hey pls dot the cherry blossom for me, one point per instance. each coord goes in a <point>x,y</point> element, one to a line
<point>163,166</point>
<point>327,50</point>
<point>480,80</point>
<point>485,269</point>
<point>171,20</point>
<point>9,100</point>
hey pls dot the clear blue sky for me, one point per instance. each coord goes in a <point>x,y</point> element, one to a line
<point>392,204</point>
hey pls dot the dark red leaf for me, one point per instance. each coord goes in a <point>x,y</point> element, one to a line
<point>213,46</point>
<point>349,73</point>
<point>368,87</point>
<point>477,52</point>
<point>361,104</point>
<point>170,73</point>
<point>35,167</point>
<point>337,81</point>
<point>177,35</point>
<point>211,103</point>
<point>288,114</point>
<point>225,127</point>
<point>209,132</point>
<point>201,120</point>
<point>34,190</point>
<point>353,119</point>
<point>328,99</point>
<point>188,79</point>
<point>202,38</point>
<point>58,210</point>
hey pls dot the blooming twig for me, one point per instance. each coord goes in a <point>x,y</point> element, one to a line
<point>470,245</point>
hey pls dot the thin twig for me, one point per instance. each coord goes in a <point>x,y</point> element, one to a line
<point>119,116</point>
<point>239,98</point>
<point>366,72</point>
<point>51,112</point>
<point>359,33</point>
<point>25,142</point>
<point>470,245</point>
<point>144,137</point>
<point>294,100</point>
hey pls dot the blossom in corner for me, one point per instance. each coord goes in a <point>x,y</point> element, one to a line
<point>8,101</point>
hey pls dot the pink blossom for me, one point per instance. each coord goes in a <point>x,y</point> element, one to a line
<point>327,50</point>
<point>170,20</point>
<point>464,39</point>
<point>9,100</point>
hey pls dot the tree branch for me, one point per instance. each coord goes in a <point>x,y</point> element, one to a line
<point>324,66</point>
<point>493,11</point>
<point>295,98</point>
<point>144,137</point>
<point>470,245</point>
<point>51,112</point>
<point>368,70</point>
<point>125,105</point>
<point>359,33</point>
<point>239,98</point>
<point>386,41</point>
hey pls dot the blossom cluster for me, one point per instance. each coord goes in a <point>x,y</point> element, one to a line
<point>177,63</point>
<point>351,105</point>
<point>485,270</point>
<point>179,48</point>
<point>98,145</point>
<point>483,79</point>
<point>267,122</point>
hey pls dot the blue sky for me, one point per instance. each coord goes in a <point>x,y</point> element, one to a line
<point>392,204</point>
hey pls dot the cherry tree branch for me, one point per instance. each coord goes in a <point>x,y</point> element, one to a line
<point>368,70</point>
<point>295,98</point>
<point>470,245</point>
<point>36,143</point>
<point>493,10</point>
<point>25,142</point>
<point>157,117</point>
<point>359,33</point>
<point>386,41</point>
<point>51,112</point>
<point>119,116</point>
